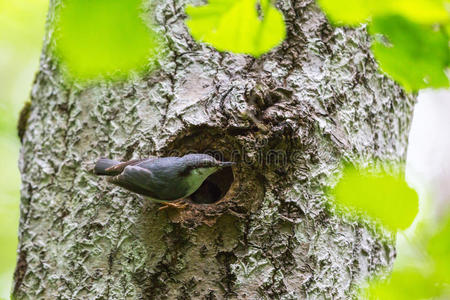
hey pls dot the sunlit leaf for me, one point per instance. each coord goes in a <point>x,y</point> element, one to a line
<point>414,55</point>
<point>423,272</point>
<point>103,38</point>
<point>406,284</point>
<point>417,54</point>
<point>350,12</point>
<point>353,12</point>
<point>385,198</point>
<point>9,210</point>
<point>236,26</point>
<point>21,32</point>
<point>439,250</point>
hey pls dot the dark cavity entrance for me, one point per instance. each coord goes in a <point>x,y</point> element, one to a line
<point>214,187</point>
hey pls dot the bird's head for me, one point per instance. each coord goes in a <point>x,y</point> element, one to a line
<point>202,165</point>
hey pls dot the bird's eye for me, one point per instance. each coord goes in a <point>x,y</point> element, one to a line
<point>206,163</point>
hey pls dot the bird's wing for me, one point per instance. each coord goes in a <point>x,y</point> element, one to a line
<point>135,179</point>
<point>121,166</point>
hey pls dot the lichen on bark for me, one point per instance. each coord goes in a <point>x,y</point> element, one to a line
<point>287,118</point>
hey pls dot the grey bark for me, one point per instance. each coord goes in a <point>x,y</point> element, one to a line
<point>305,106</point>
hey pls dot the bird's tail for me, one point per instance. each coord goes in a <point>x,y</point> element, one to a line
<point>103,164</point>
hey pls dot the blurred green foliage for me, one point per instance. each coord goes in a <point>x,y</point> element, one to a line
<point>425,272</point>
<point>439,249</point>
<point>423,49</point>
<point>414,47</point>
<point>237,26</point>
<point>405,284</point>
<point>103,38</point>
<point>22,29</point>
<point>378,195</point>
<point>354,12</point>
<point>414,52</point>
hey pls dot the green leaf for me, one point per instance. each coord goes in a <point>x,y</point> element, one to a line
<point>385,198</point>
<point>415,55</point>
<point>234,25</point>
<point>423,269</point>
<point>96,38</point>
<point>350,12</point>
<point>405,284</point>
<point>354,12</point>
<point>439,250</point>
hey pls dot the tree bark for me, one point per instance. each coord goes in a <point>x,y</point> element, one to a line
<point>287,118</point>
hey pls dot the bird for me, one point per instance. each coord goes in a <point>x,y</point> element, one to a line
<point>165,180</point>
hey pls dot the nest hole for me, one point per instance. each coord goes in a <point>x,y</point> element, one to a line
<point>214,188</point>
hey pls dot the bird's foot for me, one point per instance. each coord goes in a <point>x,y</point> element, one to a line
<point>180,204</point>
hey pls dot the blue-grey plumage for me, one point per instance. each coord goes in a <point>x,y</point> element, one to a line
<point>161,179</point>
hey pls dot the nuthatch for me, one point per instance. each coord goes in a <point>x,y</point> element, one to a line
<point>161,179</point>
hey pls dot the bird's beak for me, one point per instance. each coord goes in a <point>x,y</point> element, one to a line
<point>224,164</point>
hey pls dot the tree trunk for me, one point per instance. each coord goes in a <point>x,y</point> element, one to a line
<point>288,119</point>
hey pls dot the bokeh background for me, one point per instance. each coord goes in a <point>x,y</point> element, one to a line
<point>22,24</point>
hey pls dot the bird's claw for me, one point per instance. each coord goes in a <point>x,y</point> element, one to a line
<point>178,205</point>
